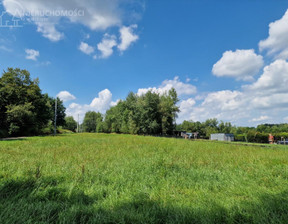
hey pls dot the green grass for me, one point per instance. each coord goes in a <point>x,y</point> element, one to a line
<point>99,178</point>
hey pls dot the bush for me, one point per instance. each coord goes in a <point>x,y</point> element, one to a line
<point>3,133</point>
<point>240,138</point>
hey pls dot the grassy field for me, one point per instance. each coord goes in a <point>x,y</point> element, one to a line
<point>99,178</point>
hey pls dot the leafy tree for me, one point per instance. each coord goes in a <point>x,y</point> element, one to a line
<point>24,110</point>
<point>90,121</point>
<point>70,123</point>
<point>60,111</point>
<point>149,113</point>
<point>225,127</point>
<point>20,119</point>
<point>169,111</point>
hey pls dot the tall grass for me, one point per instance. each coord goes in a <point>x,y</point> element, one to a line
<point>99,178</point>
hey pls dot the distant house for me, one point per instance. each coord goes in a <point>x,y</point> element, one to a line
<point>179,133</point>
<point>222,137</point>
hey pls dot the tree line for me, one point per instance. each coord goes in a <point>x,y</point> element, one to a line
<point>257,134</point>
<point>151,114</point>
<point>25,110</point>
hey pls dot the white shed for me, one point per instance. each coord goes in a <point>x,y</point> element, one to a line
<point>222,137</point>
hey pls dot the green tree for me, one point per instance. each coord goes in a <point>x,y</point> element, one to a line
<point>169,110</point>
<point>24,110</point>
<point>20,119</point>
<point>90,121</point>
<point>70,123</point>
<point>60,111</point>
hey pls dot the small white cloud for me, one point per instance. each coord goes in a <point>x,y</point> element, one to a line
<point>106,46</point>
<point>4,48</point>
<point>49,31</point>
<point>32,54</point>
<point>241,64</point>
<point>114,103</point>
<point>44,63</point>
<point>276,43</point>
<point>127,37</point>
<point>180,87</point>
<point>65,96</point>
<point>85,48</point>
<point>261,118</point>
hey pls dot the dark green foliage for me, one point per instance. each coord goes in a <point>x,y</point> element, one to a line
<point>60,111</point>
<point>24,110</point>
<point>151,113</point>
<point>70,123</point>
<point>243,134</point>
<point>206,128</point>
<point>92,119</point>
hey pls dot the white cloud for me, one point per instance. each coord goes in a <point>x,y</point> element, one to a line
<point>266,95</point>
<point>102,102</point>
<point>106,46</point>
<point>85,48</point>
<point>44,63</point>
<point>127,37</point>
<point>180,87</point>
<point>223,100</point>
<point>276,43</point>
<point>261,118</point>
<point>96,14</point>
<point>185,107</point>
<point>273,80</point>
<point>241,64</point>
<point>4,48</point>
<point>32,54</point>
<point>99,104</point>
<point>65,96</point>
<point>49,31</point>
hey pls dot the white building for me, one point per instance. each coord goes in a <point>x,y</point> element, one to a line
<point>222,137</point>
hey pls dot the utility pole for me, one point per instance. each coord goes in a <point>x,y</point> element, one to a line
<point>78,124</point>
<point>55,124</point>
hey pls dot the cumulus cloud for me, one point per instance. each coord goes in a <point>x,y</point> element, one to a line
<point>240,64</point>
<point>86,48</point>
<point>268,94</point>
<point>273,80</point>
<point>32,54</point>
<point>65,96</point>
<point>180,87</point>
<point>103,101</point>
<point>99,104</point>
<point>276,43</point>
<point>97,14</point>
<point>127,37</point>
<point>185,107</point>
<point>106,46</point>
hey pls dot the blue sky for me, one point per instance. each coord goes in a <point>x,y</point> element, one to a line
<point>223,58</point>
